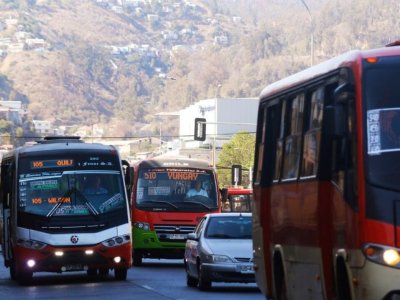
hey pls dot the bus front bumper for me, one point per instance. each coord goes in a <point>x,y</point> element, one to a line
<point>64,259</point>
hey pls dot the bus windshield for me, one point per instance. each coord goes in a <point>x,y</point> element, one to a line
<point>381,98</point>
<point>172,189</point>
<point>70,187</point>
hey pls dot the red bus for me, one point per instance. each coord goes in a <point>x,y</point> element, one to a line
<point>326,207</point>
<point>236,199</point>
<point>57,217</point>
<point>169,197</point>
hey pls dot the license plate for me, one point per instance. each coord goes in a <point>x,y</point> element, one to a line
<point>177,236</point>
<point>245,269</point>
<point>73,267</point>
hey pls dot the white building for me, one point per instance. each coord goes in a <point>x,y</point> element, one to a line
<point>43,127</point>
<point>224,117</point>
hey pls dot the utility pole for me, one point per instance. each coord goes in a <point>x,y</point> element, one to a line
<point>312,32</point>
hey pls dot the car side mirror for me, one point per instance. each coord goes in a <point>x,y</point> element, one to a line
<point>192,236</point>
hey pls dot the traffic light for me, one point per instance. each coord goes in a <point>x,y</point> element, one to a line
<point>236,175</point>
<point>199,129</point>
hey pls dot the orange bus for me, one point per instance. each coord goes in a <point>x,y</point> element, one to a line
<point>236,199</point>
<point>169,197</point>
<point>326,207</point>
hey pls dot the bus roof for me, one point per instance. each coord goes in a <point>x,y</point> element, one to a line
<point>344,60</point>
<point>60,145</point>
<point>174,162</point>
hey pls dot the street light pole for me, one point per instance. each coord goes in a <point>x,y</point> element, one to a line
<point>312,31</point>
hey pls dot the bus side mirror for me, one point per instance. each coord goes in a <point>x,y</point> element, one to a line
<point>336,113</point>
<point>224,194</point>
<point>128,174</point>
<point>335,120</point>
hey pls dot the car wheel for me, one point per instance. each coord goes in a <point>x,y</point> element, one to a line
<point>203,283</point>
<point>191,281</point>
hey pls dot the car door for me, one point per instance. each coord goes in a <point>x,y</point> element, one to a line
<point>192,247</point>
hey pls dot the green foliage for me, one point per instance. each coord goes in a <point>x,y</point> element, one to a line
<point>5,126</point>
<point>238,151</point>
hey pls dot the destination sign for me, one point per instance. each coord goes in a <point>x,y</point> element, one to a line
<point>50,200</point>
<point>176,175</point>
<point>53,163</point>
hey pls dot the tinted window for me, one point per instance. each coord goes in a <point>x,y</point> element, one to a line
<point>381,96</point>
<point>229,228</point>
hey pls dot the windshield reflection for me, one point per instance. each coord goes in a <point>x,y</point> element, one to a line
<point>70,193</point>
<point>176,189</point>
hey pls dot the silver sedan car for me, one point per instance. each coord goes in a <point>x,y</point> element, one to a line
<point>220,250</point>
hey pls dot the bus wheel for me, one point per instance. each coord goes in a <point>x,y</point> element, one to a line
<point>91,272</point>
<point>13,275</point>
<point>342,281</point>
<point>24,278</point>
<point>121,273</point>
<point>203,283</point>
<point>104,272</point>
<point>137,258</point>
<point>279,276</point>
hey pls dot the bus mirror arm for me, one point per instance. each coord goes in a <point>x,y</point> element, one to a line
<point>343,93</point>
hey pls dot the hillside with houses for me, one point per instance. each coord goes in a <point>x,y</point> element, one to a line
<point>108,67</point>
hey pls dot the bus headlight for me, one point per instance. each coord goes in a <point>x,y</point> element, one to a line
<point>391,257</point>
<point>116,241</point>
<point>31,244</point>
<point>384,255</point>
<point>142,226</point>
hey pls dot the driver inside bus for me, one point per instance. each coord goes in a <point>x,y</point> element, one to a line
<point>95,187</point>
<point>197,190</point>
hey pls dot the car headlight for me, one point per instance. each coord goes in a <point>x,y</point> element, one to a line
<point>217,259</point>
<point>142,226</point>
<point>383,255</point>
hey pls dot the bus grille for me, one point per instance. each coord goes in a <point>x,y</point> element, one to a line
<point>173,233</point>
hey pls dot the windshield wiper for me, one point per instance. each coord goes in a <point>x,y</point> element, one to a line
<point>79,195</point>
<point>163,202</point>
<point>195,202</point>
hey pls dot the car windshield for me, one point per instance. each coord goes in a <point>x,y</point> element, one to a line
<point>172,189</point>
<point>381,100</point>
<point>70,193</point>
<point>229,227</point>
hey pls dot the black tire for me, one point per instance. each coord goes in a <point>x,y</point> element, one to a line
<point>104,272</point>
<point>24,278</point>
<point>13,275</point>
<point>191,281</point>
<point>280,282</point>
<point>203,283</point>
<point>342,282</point>
<point>91,272</point>
<point>137,258</point>
<point>120,273</point>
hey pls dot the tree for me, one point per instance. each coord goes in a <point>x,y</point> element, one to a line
<point>238,151</point>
